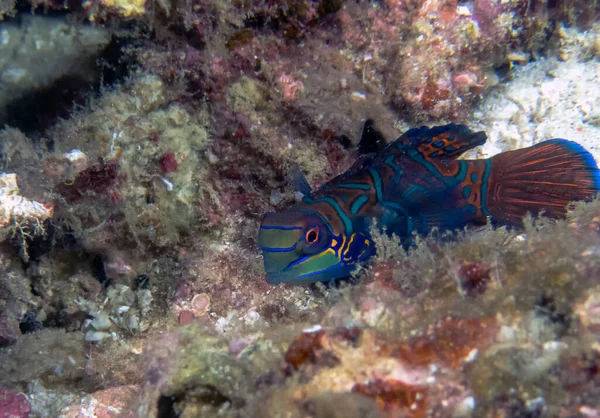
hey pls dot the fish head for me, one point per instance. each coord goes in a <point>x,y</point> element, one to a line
<point>300,247</point>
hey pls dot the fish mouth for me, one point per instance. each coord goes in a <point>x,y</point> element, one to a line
<point>279,277</point>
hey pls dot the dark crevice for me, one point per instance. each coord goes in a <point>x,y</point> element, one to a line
<point>98,271</point>
<point>166,407</point>
<point>42,244</point>
<point>23,7</point>
<point>36,111</point>
<point>33,289</point>
<point>141,282</point>
<point>29,323</point>
<point>30,247</point>
<point>115,65</point>
<point>557,314</point>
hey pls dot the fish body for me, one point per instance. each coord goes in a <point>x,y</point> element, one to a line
<point>414,184</point>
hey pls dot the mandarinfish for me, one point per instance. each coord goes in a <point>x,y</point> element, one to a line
<point>414,184</point>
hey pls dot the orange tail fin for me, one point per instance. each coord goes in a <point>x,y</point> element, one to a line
<point>542,178</point>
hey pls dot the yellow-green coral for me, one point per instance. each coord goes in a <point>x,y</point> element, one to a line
<point>125,8</point>
<point>136,124</point>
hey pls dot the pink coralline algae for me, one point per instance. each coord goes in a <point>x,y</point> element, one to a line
<point>182,291</point>
<point>289,86</point>
<point>13,404</point>
<point>186,317</point>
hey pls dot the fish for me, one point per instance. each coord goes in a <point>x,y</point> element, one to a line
<point>415,184</point>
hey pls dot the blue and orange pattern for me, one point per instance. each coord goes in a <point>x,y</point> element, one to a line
<point>413,185</point>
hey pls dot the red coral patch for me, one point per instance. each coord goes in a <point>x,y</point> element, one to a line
<point>450,342</point>
<point>394,394</point>
<point>100,178</point>
<point>304,347</point>
<point>168,162</point>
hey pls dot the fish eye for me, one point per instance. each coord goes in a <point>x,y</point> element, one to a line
<point>312,235</point>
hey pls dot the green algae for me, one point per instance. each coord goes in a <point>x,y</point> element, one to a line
<point>53,356</point>
<point>138,129</point>
<point>247,95</point>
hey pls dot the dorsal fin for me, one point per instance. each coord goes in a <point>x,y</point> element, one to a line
<point>371,140</point>
<point>443,142</point>
<point>299,181</point>
<point>362,163</point>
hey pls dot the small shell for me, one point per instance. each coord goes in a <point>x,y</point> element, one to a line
<point>464,408</point>
<point>101,322</point>
<point>93,336</point>
<point>133,323</point>
<point>359,96</point>
<point>121,295</point>
<point>275,197</point>
<point>314,328</point>
<point>168,184</point>
<point>144,300</point>
<point>122,309</point>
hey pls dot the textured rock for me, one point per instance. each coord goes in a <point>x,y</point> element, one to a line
<point>64,51</point>
<point>107,403</point>
<point>9,324</point>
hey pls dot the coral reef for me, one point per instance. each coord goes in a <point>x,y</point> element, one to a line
<point>137,161</point>
<point>433,348</point>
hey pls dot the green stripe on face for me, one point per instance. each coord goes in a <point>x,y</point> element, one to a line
<point>315,264</point>
<point>278,238</point>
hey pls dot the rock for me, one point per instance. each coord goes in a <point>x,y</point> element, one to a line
<point>65,50</point>
<point>112,402</point>
<point>13,404</point>
<point>14,206</point>
<point>9,324</point>
<point>589,311</point>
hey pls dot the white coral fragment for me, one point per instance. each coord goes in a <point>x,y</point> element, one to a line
<point>15,207</point>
